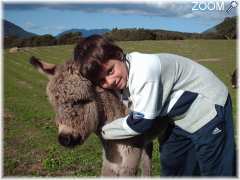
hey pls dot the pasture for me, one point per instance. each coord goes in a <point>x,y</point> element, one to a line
<point>30,146</point>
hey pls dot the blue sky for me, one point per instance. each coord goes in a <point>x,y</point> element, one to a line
<point>56,17</point>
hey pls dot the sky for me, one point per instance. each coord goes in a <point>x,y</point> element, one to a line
<point>54,17</point>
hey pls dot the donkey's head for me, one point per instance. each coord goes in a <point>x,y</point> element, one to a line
<point>73,99</point>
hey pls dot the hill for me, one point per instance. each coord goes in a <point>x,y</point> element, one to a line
<point>11,29</point>
<point>227,28</point>
<point>85,32</point>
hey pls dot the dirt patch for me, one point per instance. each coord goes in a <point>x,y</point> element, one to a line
<point>36,167</point>
<point>208,60</point>
<point>23,167</point>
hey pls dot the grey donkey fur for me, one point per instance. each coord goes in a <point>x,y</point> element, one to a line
<point>82,109</point>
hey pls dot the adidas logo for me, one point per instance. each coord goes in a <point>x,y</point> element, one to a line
<point>216,131</point>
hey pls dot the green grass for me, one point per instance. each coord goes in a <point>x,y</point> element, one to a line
<point>30,135</point>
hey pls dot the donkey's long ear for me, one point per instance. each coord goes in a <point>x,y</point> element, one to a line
<point>43,67</point>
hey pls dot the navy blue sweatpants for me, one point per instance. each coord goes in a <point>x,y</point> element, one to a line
<point>210,151</point>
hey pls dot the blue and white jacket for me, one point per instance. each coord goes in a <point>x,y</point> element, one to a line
<point>167,85</point>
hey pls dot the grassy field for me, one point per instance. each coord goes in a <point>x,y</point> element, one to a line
<point>30,136</point>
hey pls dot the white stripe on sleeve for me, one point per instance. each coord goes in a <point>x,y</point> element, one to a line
<point>174,99</point>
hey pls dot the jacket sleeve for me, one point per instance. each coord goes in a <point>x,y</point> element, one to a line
<point>132,125</point>
<point>147,99</point>
<point>146,108</point>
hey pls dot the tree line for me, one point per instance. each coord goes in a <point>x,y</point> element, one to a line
<point>43,40</point>
<point>145,34</point>
<point>226,30</point>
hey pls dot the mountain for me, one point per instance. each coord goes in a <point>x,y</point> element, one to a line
<point>227,28</point>
<point>210,30</point>
<point>85,32</point>
<point>11,29</point>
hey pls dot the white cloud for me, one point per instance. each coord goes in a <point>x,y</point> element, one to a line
<point>149,8</point>
<point>190,15</point>
<point>30,25</point>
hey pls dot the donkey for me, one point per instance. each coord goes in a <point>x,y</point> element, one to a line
<point>82,109</point>
<point>234,79</point>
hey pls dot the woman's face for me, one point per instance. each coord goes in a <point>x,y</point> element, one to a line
<point>114,75</point>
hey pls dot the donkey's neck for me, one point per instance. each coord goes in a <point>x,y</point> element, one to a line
<point>111,107</point>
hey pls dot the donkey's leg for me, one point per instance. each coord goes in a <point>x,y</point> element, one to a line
<point>146,159</point>
<point>131,159</point>
<point>110,166</point>
<point>107,169</point>
<point>128,166</point>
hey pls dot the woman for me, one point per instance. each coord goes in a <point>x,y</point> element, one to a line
<point>196,102</point>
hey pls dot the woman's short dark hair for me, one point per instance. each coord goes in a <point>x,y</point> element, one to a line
<point>94,50</point>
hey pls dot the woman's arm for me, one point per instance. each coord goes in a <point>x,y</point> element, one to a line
<point>132,125</point>
<point>146,108</point>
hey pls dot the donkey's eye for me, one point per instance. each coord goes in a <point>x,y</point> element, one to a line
<point>74,103</point>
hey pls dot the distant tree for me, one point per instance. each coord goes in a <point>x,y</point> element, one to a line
<point>44,40</point>
<point>69,38</point>
<point>34,41</point>
<point>170,35</point>
<point>130,34</point>
<point>212,36</point>
<point>9,40</point>
<point>47,40</point>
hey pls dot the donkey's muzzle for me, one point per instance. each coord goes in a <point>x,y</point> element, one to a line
<point>68,140</point>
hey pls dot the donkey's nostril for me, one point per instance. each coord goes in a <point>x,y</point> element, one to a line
<point>68,140</point>
<point>65,139</point>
